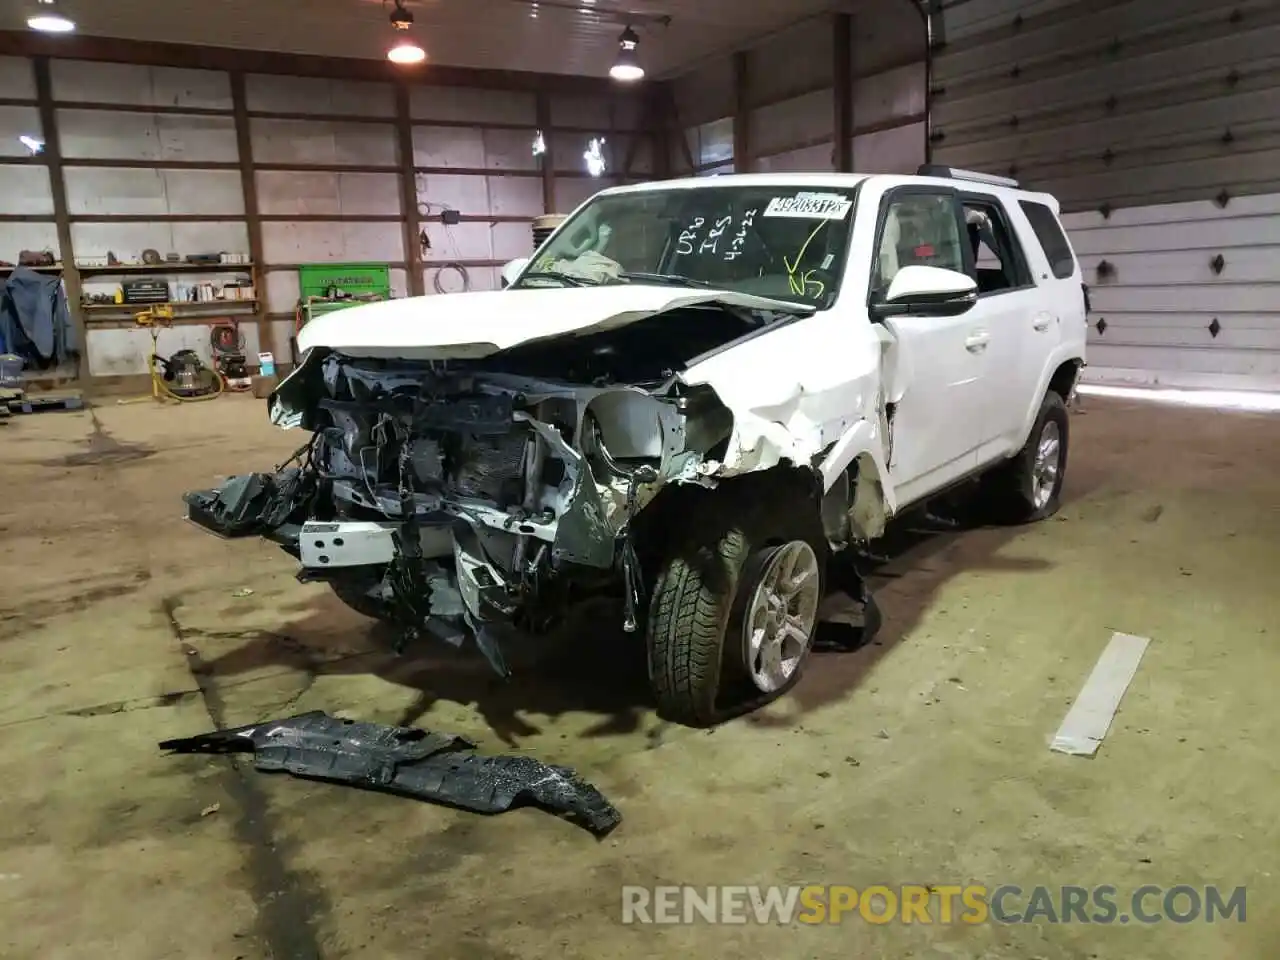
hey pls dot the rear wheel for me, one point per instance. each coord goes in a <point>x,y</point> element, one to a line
<point>735,606</point>
<point>1029,486</point>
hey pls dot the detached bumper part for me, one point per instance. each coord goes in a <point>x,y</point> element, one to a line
<point>249,504</point>
<point>409,762</point>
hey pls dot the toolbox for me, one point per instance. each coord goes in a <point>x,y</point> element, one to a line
<point>326,287</point>
<point>145,291</point>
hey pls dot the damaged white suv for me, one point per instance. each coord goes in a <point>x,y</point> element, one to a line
<point>695,396</point>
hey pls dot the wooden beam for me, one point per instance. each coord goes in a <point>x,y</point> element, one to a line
<point>742,162</point>
<point>58,188</point>
<point>652,129</point>
<point>253,222</point>
<point>677,126</point>
<point>24,43</point>
<point>842,83</point>
<point>660,126</point>
<point>409,208</point>
<point>543,107</point>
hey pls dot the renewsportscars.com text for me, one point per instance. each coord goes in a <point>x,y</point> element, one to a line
<point>926,904</point>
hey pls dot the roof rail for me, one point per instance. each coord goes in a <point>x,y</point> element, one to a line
<point>954,173</point>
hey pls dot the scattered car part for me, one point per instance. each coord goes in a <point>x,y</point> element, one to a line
<point>409,762</point>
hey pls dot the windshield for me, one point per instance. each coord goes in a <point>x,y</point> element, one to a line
<point>788,243</point>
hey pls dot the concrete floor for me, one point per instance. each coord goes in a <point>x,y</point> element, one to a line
<point>921,759</point>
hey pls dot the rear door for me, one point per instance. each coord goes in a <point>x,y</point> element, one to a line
<point>1059,273</point>
<point>1010,310</point>
<point>937,423</point>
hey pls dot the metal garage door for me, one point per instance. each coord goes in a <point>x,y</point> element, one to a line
<point>1157,124</point>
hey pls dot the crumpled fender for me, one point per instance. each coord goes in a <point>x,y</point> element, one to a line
<point>863,439</point>
<point>796,392</point>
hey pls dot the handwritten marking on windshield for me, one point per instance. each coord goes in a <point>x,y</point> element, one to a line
<point>684,245</point>
<point>801,283</point>
<point>740,238</point>
<point>713,237</point>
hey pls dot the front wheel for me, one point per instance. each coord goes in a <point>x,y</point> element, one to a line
<point>1029,487</point>
<point>735,607</point>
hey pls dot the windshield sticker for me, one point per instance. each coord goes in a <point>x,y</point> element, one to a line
<point>810,206</point>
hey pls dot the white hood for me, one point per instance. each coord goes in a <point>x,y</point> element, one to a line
<point>472,325</point>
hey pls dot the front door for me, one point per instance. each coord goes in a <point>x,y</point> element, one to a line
<point>942,361</point>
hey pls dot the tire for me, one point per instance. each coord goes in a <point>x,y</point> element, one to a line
<point>1028,487</point>
<point>698,650</point>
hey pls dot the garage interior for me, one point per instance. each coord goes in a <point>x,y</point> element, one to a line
<point>223,168</point>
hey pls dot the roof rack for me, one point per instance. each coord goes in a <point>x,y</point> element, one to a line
<point>954,173</point>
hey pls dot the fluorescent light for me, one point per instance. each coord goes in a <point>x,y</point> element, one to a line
<point>34,144</point>
<point>51,23</point>
<point>48,20</point>
<point>594,155</point>
<point>627,72</point>
<point>406,52</point>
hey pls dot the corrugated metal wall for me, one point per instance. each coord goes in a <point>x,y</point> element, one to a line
<point>1157,124</point>
<point>778,101</point>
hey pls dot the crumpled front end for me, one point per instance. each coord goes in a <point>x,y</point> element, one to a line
<point>455,495</point>
<point>480,497</point>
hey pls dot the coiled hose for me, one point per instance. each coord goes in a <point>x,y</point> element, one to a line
<point>227,342</point>
<point>457,268</point>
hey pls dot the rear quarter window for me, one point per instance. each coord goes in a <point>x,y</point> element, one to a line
<point>1052,240</point>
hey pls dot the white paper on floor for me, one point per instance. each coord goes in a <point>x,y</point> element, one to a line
<point>1090,716</point>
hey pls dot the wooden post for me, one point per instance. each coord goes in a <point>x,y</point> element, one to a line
<point>742,162</point>
<point>548,157</point>
<point>677,127</point>
<point>62,217</point>
<point>842,83</point>
<point>409,193</point>
<point>252,219</point>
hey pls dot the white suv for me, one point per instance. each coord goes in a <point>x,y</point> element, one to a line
<point>695,395</point>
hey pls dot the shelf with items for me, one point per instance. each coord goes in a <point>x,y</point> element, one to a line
<point>197,305</point>
<point>163,268</point>
<point>10,267</point>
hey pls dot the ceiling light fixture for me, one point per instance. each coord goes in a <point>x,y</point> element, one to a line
<point>627,67</point>
<point>47,19</point>
<point>406,50</point>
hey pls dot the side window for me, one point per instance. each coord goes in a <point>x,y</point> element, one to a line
<point>999,260</point>
<point>920,229</point>
<point>1049,232</point>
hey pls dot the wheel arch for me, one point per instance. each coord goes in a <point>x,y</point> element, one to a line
<point>1060,376</point>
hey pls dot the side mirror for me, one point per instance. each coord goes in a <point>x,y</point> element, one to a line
<point>513,269</point>
<point>927,292</point>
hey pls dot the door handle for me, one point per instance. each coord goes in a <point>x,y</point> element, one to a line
<point>1042,322</point>
<point>977,341</point>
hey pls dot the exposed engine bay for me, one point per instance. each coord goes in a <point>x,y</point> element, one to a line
<point>457,496</point>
